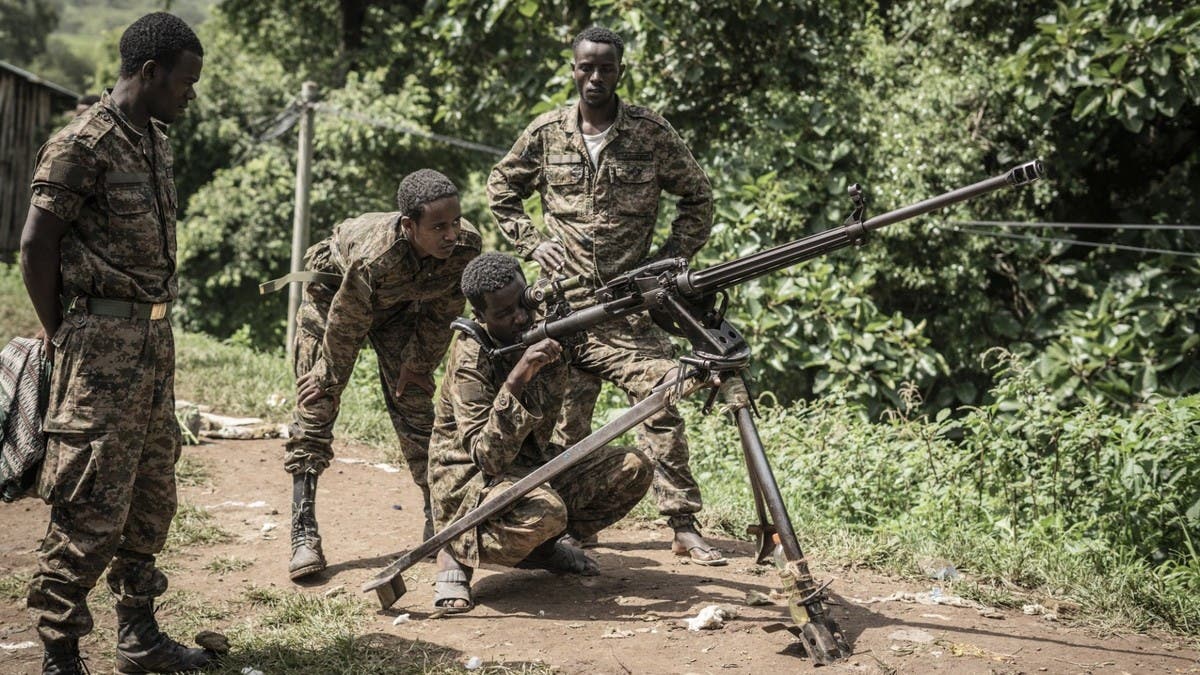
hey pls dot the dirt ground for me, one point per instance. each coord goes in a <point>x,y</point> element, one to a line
<point>627,620</point>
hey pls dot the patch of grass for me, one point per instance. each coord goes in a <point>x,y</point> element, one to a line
<point>15,586</point>
<point>16,313</point>
<point>194,526</point>
<point>191,471</point>
<point>227,564</point>
<point>303,633</point>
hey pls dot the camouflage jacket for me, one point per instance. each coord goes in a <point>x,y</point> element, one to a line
<point>381,277</point>
<point>483,434</point>
<point>604,215</point>
<point>113,184</point>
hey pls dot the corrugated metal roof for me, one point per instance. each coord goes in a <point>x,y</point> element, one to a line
<point>5,65</point>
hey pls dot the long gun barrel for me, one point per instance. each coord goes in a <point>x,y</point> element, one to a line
<point>699,283</point>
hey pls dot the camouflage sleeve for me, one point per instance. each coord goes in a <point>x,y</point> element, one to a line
<point>67,174</point>
<point>494,423</point>
<point>427,346</point>
<point>680,175</point>
<point>512,181</point>
<point>347,325</point>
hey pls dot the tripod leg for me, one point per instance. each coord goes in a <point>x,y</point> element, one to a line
<point>818,632</point>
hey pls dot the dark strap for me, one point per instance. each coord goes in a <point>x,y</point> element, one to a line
<point>121,309</point>
<point>303,277</point>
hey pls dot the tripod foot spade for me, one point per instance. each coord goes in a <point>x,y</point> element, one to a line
<point>387,588</point>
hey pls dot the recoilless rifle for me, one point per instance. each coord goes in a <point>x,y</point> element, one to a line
<point>691,304</point>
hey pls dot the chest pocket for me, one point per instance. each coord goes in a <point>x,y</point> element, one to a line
<point>634,190</point>
<point>566,185</point>
<point>134,231</point>
<point>131,199</point>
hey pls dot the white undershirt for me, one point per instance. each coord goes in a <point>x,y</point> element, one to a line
<point>593,144</point>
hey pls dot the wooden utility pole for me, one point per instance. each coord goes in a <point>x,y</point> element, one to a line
<point>300,221</point>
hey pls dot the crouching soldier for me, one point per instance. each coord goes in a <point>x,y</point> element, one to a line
<point>393,279</point>
<point>495,419</point>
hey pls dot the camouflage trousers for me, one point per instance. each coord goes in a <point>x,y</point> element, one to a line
<point>582,500</point>
<point>109,472</point>
<point>635,355</point>
<point>309,449</point>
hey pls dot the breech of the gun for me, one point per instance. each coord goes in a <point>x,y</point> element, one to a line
<point>580,320</point>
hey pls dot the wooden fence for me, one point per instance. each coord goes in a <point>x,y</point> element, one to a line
<point>28,110</point>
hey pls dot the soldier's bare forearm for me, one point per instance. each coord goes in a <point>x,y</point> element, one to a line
<point>40,259</point>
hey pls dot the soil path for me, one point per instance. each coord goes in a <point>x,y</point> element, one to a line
<point>627,620</point>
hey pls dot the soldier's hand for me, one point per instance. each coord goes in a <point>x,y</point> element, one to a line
<point>534,359</point>
<point>550,255</point>
<point>423,381</point>
<point>47,345</point>
<point>309,391</point>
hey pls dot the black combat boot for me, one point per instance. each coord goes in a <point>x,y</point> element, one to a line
<point>307,557</point>
<point>62,658</point>
<point>143,648</point>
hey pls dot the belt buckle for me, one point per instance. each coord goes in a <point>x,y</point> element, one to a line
<point>158,311</point>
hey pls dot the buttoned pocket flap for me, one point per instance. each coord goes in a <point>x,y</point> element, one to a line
<point>130,199</point>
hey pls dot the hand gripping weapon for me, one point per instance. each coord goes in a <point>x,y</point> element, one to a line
<point>691,304</point>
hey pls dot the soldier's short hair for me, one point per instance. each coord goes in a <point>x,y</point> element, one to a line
<point>158,37</point>
<point>599,34</point>
<point>420,188</point>
<point>488,273</point>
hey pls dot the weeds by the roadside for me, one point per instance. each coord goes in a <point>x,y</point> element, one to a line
<point>191,471</point>
<point>226,564</point>
<point>194,526</point>
<point>14,586</point>
<point>296,632</point>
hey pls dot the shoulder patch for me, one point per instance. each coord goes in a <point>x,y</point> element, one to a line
<point>94,125</point>
<point>639,112</point>
<point>547,118</point>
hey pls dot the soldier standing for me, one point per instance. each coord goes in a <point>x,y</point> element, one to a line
<point>495,423</point>
<point>392,278</point>
<point>98,259</point>
<point>600,166</point>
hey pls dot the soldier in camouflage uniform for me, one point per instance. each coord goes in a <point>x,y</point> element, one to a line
<point>98,258</point>
<point>393,279</point>
<point>600,166</point>
<point>495,422</point>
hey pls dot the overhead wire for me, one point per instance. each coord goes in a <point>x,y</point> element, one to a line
<point>1071,242</point>
<point>1076,226</point>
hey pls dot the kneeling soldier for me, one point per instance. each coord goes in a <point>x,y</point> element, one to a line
<point>392,278</point>
<point>495,419</point>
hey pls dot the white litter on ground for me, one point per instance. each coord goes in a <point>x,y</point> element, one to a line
<point>268,526</point>
<point>251,671</point>
<point>386,468</point>
<point>238,505</point>
<point>403,618</point>
<point>13,646</point>
<point>474,663</point>
<point>713,616</point>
